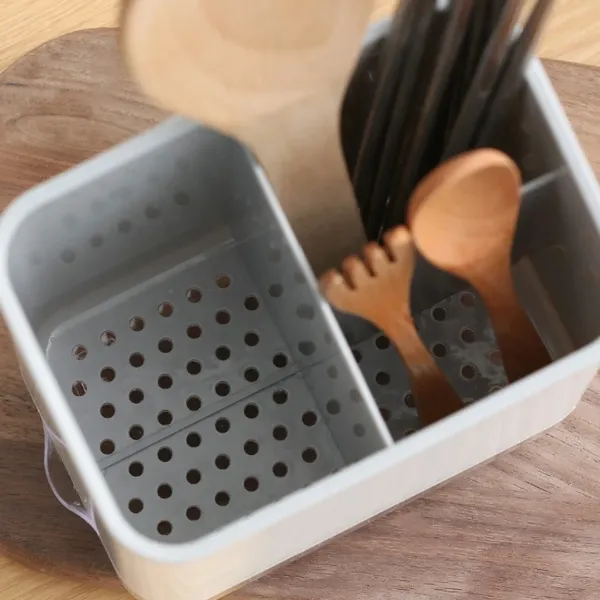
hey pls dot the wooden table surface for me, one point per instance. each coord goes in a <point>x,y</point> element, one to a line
<point>573,35</point>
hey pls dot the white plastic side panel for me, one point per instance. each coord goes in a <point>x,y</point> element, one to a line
<point>376,489</point>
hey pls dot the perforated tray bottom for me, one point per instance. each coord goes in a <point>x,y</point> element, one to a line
<point>198,410</point>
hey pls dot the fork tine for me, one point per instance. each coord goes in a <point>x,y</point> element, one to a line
<point>398,242</point>
<point>376,259</point>
<point>336,290</point>
<point>355,272</point>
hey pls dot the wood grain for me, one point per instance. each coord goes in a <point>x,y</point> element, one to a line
<point>525,526</point>
<point>572,34</point>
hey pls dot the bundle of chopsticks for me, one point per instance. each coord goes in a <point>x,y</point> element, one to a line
<point>447,75</point>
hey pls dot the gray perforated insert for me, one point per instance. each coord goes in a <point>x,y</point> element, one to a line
<point>224,390</point>
<point>185,452</point>
<point>459,336</point>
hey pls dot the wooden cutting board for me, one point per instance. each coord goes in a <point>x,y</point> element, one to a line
<point>526,525</point>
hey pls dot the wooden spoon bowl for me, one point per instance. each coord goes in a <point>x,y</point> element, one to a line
<point>271,73</point>
<point>463,217</point>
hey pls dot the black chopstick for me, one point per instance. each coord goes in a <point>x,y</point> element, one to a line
<point>403,104</point>
<point>422,149</point>
<point>393,60</point>
<point>482,85</point>
<point>511,78</point>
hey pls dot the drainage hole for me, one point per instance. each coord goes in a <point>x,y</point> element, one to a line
<point>136,506</point>
<point>68,256</point>
<point>251,411</point>
<point>194,295</point>
<point>280,469</point>
<point>193,403</point>
<point>382,378</point>
<point>467,299</point>
<point>222,425</point>
<point>79,352</point>
<point>382,342</point>
<point>251,303</point>
<point>467,336</point>
<point>357,355</point>
<point>222,388</point>
<point>276,290</point>
<point>280,360</point>
<point>222,462</point>
<point>165,454</point>
<point>280,396</point>
<point>136,432</point>
<point>165,309</point>
<point>165,382</point>
<point>194,367</point>
<point>359,430</point>
<point>164,491</point>
<point>108,374</point>
<point>223,281</point>
<point>107,447</point>
<point>309,455</point>
<point>136,396</point>
<point>439,350</point>
<point>251,374</point>
<point>164,528</point>
<point>223,317</point>
<point>306,348</point>
<point>194,332</point>
<point>136,469</point>
<point>165,417</point>
<point>136,360</point>
<point>386,415</point>
<point>136,324</point>
<point>468,372</point>
<point>222,352</point>
<point>107,411</point>
<point>309,418</point>
<point>251,339</point>
<point>165,345</point>
<point>251,447</point>
<point>438,314</point>
<point>108,338</point>
<point>251,484</point>
<point>222,498</point>
<point>79,388</point>
<point>409,400</point>
<point>193,476</point>
<point>193,513</point>
<point>280,433</point>
<point>333,407</point>
<point>193,439</point>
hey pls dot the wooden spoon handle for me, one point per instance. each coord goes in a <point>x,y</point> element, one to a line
<point>301,154</point>
<point>523,352</point>
<point>434,396</point>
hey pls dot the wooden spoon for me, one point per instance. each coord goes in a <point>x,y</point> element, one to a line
<point>378,290</point>
<point>463,218</point>
<point>271,73</point>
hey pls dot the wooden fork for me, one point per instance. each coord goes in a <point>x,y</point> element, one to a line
<point>378,290</point>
